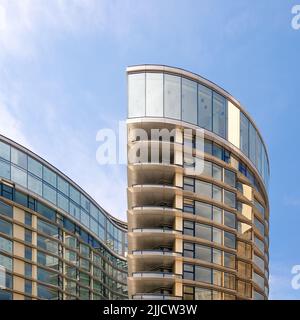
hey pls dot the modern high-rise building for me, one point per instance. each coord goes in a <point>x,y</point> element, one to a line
<point>56,242</point>
<point>198,210</point>
<point>194,234</point>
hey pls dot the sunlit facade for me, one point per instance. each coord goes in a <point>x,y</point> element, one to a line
<point>195,236</point>
<point>56,242</point>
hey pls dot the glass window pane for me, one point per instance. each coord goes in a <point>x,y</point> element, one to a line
<point>74,210</point>
<point>260,226</point>
<point>74,194</point>
<point>244,134</point>
<point>4,151</point>
<point>259,153</point>
<point>154,94</point>
<point>203,274</point>
<point>230,199</point>
<point>35,185</point>
<point>217,172</point>
<point>35,167</point>
<point>5,245</point>
<point>229,240</point>
<point>203,231</point>
<point>172,96</point>
<point>204,107</point>
<point>203,188</point>
<point>6,209</point>
<point>217,235</point>
<point>203,294</point>
<point>47,244</point>
<point>49,193</point>
<point>19,176</point>
<point>217,193</point>
<point>63,202</point>
<point>203,209</point>
<point>203,253</point>
<point>47,228</point>
<point>217,214</point>
<point>252,143</point>
<point>49,176</point>
<point>189,101</point>
<point>6,262</point>
<point>85,219</point>
<point>136,95</point>
<point>219,115</point>
<point>207,170</point>
<point>19,158</point>
<point>229,219</point>
<point>230,178</point>
<point>217,277</point>
<point>4,170</point>
<point>47,293</point>
<point>63,185</point>
<point>217,256</point>
<point>5,227</point>
<point>229,260</point>
<point>217,151</point>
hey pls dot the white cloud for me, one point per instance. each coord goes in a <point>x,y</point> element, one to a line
<point>25,23</point>
<point>26,26</point>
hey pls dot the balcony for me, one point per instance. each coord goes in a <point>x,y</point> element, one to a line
<point>140,260</point>
<point>152,195</point>
<point>151,281</point>
<point>152,216</point>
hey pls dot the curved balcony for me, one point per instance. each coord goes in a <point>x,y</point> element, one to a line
<point>152,173</point>
<point>152,216</point>
<point>144,239</point>
<point>149,259</point>
<point>152,195</point>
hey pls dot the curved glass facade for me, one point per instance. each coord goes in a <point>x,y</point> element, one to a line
<point>169,95</point>
<point>55,241</point>
<point>195,235</point>
<point>31,172</point>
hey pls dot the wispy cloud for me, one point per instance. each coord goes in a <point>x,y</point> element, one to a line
<point>26,28</point>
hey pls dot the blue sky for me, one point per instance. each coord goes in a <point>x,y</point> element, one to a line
<point>62,78</point>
